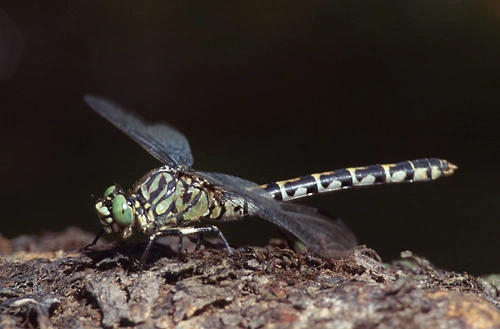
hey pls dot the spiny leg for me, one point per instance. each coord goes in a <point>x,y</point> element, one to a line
<point>93,243</point>
<point>179,245</point>
<point>206,229</point>
<point>181,232</point>
<point>153,237</point>
<point>198,241</point>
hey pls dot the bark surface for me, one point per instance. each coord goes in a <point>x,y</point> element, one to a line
<point>272,287</point>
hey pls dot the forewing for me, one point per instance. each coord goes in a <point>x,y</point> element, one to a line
<point>163,141</point>
<point>323,234</point>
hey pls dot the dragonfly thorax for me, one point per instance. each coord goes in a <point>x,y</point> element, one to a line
<point>166,198</point>
<point>173,197</point>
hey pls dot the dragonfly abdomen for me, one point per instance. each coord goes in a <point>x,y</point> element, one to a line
<point>407,171</point>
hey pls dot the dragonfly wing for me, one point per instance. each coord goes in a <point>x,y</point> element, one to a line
<point>323,234</point>
<point>163,141</point>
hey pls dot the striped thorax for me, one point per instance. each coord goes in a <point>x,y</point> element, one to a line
<point>165,198</point>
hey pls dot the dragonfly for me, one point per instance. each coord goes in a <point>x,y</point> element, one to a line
<point>177,200</point>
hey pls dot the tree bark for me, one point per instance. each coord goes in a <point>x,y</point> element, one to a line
<point>272,287</point>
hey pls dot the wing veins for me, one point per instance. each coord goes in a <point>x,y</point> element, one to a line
<point>162,141</point>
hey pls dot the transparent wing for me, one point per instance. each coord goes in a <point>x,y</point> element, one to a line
<point>161,140</point>
<point>323,234</point>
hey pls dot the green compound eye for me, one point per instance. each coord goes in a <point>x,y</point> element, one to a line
<point>122,212</point>
<point>109,191</point>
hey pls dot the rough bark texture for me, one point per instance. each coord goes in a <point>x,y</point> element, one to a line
<point>273,287</point>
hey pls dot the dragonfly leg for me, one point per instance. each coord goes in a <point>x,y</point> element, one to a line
<point>152,239</point>
<point>181,232</point>
<point>204,229</point>
<point>93,243</point>
<point>199,240</point>
<point>159,234</point>
<point>215,229</point>
<point>179,244</point>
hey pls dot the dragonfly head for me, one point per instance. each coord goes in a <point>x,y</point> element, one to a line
<point>116,212</point>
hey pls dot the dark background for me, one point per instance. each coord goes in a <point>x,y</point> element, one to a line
<point>265,92</point>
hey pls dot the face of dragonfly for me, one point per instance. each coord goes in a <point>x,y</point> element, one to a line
<point>116,212</point>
